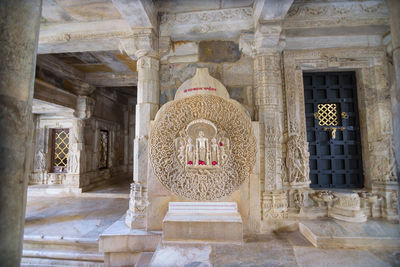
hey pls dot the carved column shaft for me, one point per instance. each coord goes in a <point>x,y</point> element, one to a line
<point>148,94</point>
<point>268,81</point>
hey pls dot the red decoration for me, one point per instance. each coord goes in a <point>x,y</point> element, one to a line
<point>190,162</point>
<point>220,144</point>
<point>214,163</point>
<point>201,162</point>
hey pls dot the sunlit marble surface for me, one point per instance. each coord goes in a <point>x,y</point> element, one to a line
<point>71,216</point>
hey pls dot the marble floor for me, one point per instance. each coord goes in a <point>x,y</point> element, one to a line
<point>87,218</point>
<point>283,249</point>
<point>73,217</point>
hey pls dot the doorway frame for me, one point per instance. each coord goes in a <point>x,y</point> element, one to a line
<point>374,104</point>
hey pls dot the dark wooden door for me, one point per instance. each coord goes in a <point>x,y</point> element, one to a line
<point>333,130</point>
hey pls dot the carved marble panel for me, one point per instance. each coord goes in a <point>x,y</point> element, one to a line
<point>201,151</point>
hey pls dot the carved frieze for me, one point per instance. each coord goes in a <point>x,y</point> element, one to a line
<point>303,14</point>
<point>206,21</point>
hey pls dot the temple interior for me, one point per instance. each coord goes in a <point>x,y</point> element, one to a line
<point>199,133</point>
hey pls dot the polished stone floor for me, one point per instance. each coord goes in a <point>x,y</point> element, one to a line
<point>283,249</point>
<point>88,217</point>
<point>72,216</point>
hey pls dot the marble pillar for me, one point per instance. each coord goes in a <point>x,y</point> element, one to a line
<point>268,83</point>
<point>19,26</point>
<point>148,94</point>
<point>394,8</point>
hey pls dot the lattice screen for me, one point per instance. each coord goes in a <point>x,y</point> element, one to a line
<point>327,115</point>
<point>60,149</point>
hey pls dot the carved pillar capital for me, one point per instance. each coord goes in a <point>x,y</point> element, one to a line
<point>81,88</point>
<point>84,107</point>
<point>141,43</point>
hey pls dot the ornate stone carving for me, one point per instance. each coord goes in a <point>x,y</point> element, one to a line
<point>322,198</point>
<point>274,205</point>
<point>299,198</point>
<point>346,207</point>
<point>200,145</point>
<point>394,204</point>
<point>205,21</point>
<point>136,214</point>
<point>73,162</point>
<point>297,160</point>
<point>189,133</point>
<point>40,160</point>
<point>383,169</point>
<point>328,14</point>
<point>143,43</point>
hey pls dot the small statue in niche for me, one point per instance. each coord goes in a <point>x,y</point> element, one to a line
<point>41,160</point>
<point>214,152</point>
<point>202,148</point>
<point>181,155</point>
<point>189,152</point>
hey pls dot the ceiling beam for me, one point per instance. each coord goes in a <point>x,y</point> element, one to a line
<point>59,68</point>
<point>51,94</point>
<point>138,13</point>
<point>112,79</point>
<point>98,79</point>
<point>82,36</point>
<point>270,10</point>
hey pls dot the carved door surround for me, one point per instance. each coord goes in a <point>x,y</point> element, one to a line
<point>373,101</point>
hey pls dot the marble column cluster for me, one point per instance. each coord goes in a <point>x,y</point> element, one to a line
<point>268,83</point>
<point>148,94</point>
<point>19,24</point>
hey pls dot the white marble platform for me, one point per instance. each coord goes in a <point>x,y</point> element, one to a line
<point>123,246</point>
<point>202,222</point>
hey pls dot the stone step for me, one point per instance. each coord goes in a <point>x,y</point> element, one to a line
<point>331,233</point>
<point>36,242</point>
<point>64,255</point>
<point>36,262</point>
<point>60,251</point>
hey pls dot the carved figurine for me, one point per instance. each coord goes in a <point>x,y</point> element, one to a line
<point>202,148</point>
<point>214,152</point>
<point>189,152</point>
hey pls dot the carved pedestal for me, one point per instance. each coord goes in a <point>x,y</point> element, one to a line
<point>136,214</point>
<point>196,222</point>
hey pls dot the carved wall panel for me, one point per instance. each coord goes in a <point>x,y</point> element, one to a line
<point>202,147</point>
